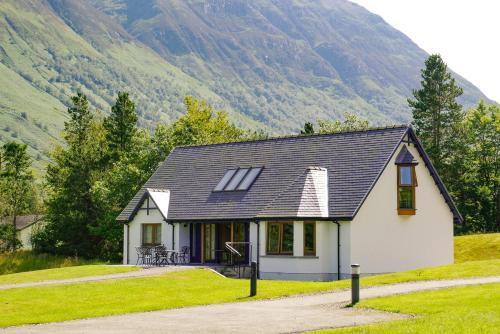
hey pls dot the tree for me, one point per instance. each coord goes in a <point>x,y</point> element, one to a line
<point>71,210</point>
<point>87,190</point>
<point>201,125</point>
<point>477,187</point>
<point>308,129</point>
<point>436,113</point>
<point>121,124</point>
<point>351,122</point>
<point>16,185</point>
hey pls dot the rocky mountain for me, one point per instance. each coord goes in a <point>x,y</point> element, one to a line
<point>270,63</point>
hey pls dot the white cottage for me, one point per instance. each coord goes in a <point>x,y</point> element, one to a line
<point>303,207</point>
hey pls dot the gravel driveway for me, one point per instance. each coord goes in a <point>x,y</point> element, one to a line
<point>292,314</point>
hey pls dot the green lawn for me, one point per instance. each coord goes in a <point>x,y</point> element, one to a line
<point>181,289</point>
<point>477,247</point>
<point>64,273</point>
<point>471,309</point>
<point>22,261</point>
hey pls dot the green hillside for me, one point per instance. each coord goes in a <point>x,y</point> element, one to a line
<point>271,64</point>
<point>44,61</point>
<point>477,247</point>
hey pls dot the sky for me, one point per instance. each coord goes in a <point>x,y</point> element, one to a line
<point>465,32</point>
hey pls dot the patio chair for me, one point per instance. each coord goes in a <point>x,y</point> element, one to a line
<point>144,255</point>
<point>161,255</point>
<point>183,256</point>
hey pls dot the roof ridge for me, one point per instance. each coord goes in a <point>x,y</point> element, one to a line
<point>301,136</point>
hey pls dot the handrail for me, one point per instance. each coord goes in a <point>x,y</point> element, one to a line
<point>232,249</point>
<point>234,252</point>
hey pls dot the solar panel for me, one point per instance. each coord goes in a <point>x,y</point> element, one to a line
<point>235,181</point>
<point>249,178</point>
<point>225,179</point>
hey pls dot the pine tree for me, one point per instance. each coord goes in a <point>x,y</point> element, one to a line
<point>71,210</point>
<point>436,113</point>
<point>121,124</point>
<point>308,129</point>
<point>16,185</point>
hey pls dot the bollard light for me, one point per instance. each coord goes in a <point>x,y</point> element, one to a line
<point>355,269</point>
<point>355,272</point>
<point>253,279</point>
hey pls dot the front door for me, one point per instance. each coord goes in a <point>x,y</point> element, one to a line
<point>209,243</point>
<point>223,235</point>
<point>240,234</point>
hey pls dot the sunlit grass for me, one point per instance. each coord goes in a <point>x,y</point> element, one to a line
<point>471,309</point>
<point>21,261</point>
<point>181,289</point>
<point>64,273</point>
<point>477,247</point>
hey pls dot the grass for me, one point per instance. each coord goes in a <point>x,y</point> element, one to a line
<point>22,261</point>
<point>64,273</point>
<point>181,289</point>
<point>471,309</point>
<point>477,247</point>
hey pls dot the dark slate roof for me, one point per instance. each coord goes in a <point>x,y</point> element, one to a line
<point>306,196</point>
<point>353,160</point>
<point>405,157</point>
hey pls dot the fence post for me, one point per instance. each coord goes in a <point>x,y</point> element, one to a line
<point>253,279</point>
<point>355,272</point>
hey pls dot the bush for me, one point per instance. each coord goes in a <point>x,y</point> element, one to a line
<point>8,238</point>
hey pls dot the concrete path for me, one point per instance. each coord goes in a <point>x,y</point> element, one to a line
<point>292,314</point>
<point>153,271</point>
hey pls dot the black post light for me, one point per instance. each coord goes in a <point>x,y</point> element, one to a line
<point>355,272</point>
<point>253,279</point>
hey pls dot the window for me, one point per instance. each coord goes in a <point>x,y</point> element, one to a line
<point>225,179</point>
<point>151,234</point>
<point>280,238</point>
<point>249,179</point>
<point>407,181</point>
<point>238,179</point>
<point>310,238</point>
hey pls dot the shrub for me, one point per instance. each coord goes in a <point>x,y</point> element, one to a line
<point>8,238</point>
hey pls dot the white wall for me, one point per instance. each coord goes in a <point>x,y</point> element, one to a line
<point>323,266</point>
<point>383,241</point>
<point>135,232</point>
<point>181,236</point>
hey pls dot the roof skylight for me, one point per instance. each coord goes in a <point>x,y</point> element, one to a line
<point>249,178</point>
<point>238,179</point>
<point>235,181</point>
<point>225,179</point>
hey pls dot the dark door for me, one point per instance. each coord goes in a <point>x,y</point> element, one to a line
<point>195,242</point>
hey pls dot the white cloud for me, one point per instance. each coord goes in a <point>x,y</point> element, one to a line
<point>465,33</point>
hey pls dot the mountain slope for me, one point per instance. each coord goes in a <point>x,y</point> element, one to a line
<point>284,61</point>
<point>43,61</point>
<point>272,63</point>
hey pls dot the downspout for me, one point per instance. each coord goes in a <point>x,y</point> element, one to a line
<point>258,248</point>
<point>338,249</point>
<point>128,243</point>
